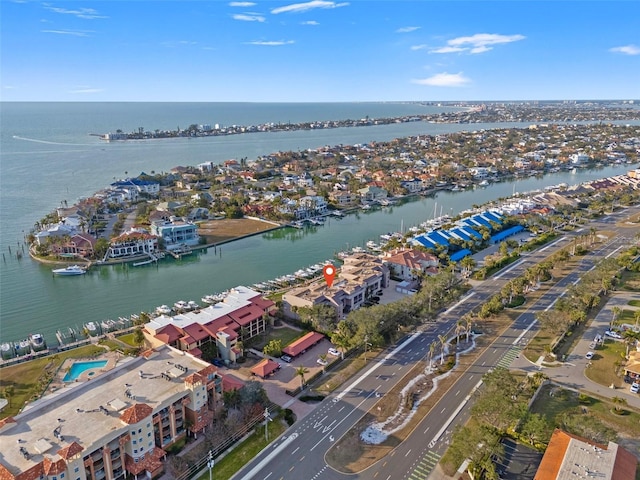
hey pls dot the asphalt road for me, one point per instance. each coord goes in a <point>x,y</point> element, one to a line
<point>299,454</point>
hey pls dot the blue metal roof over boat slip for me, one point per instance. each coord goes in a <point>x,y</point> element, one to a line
<point>460,254</point>
<point>422,240</point>
<point>438,238</point>
<point>458,232</point>
<point>494,217</point>
<point>480,219</point>
<point>471,232</point>
<point>506,233</point>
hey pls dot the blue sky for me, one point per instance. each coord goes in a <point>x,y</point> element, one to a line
<point>319,50</point>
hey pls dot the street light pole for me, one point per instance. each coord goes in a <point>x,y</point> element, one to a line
<point>210,463</point>
<point>267,419</point>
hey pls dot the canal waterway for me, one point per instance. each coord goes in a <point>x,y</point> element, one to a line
<point>47,157</point>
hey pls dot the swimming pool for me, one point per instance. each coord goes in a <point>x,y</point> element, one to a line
<point>78,368</point>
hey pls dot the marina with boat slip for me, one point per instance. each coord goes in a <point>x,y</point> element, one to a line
<point>271,256</point>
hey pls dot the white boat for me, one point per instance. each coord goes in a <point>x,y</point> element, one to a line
<point>483,183</point>
<point>181,305</point>
<point>163,310</point>
<point>92,329</point>
<point>6,349</point>
<point>191,305</point>
<point>22,347</point>
<point>37,341</point>
<point>70,270</point>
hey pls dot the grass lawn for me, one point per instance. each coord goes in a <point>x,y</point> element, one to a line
<point>128,339</point>
<point>29,379</point>
<point>630,281</point>
<point>626,316</point>
<point>285,334</point>
<point>244,452</point>
<point>634,303</point>
<point>603,368</point>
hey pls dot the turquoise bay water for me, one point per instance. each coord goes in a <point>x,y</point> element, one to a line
<point>78,368</point>
<point>47,156</point>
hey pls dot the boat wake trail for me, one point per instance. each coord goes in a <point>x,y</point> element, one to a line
<point>35,140</point>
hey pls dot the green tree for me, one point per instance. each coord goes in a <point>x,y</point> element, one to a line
<point>481,446</point>
<point>138,337</point>
<point>273,348</point>
<point>301,372</point>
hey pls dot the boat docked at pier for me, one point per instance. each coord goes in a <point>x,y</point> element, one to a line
<point>70,270</point>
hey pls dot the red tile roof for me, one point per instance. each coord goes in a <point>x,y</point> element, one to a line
<point>169,333</point>
<point>51,467</point>
<point>262,303</point>
<point>264,368</point>
<point>296,347</point>
<point>136,413</point>
<point>196,331</point>
<point>245,315</point>
<point>70,450</point>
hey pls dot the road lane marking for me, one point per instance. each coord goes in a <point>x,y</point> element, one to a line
<point>453,415</point>
<point>297,448</point>
<point>345,417</point>
<point>377,365</point>
<point>464,299</point>
<point>270,473</point>
<point>408,452</point>
<point>457,393</point>
<point>260,466</point>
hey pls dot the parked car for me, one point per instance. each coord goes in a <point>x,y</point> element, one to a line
<point>218,362</point>
<point>589,355</point>
<point>286,358</point>
<point>322,362</point>
<point>612,334</point>
<point>635,388</point>
<point>334,352</point>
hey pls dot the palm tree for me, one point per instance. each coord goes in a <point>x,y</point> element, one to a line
<point>468,320</point>
<point>630,339</point>
<point>302,371</point>
<point>459,329</point>
<point>443,343</point>
<point>432,350</point>
<point>618,404</point>
<point>615,313</point>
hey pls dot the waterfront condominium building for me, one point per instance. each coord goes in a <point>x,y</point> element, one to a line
<point>115,425</point>
<point>176,232</point>
<point>361,276</point>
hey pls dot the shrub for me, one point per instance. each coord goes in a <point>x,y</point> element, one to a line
<point>289,416</point>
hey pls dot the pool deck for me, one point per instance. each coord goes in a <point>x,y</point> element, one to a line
<point>58,381</point>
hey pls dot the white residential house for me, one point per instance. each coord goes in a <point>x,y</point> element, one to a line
<point>176,232</point>
<point>135,242</point>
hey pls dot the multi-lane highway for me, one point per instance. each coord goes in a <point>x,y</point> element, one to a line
<point>300,453</point>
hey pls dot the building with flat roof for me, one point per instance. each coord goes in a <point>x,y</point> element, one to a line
<point>241,315</point>
<point>568,457</point>
<point>115,425</point>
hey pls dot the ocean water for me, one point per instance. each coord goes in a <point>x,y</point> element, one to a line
<point>47,157</point>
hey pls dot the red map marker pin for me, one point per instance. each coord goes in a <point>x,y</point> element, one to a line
<point>329,274</point>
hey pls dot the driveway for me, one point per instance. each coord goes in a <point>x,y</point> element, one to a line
<point>571,373</point>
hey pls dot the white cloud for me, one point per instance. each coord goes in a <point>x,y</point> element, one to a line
<point>86,13</point>
<point>86,90</point>
<point>271,43</point>
<point>310,22</point>
<point>303,7</point>
<point>249,17</point>
<point>626,49</point>
<point>444,80</point>
<point>419,47</point>
<point>447,50</point>
<point>478,43</point>
<point>407,29</point>
<point>74,33</point>
<point>241,4</point>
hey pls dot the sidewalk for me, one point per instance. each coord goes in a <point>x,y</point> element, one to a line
<point>571,374</point>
